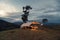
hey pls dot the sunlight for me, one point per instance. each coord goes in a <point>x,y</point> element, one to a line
<point>3,13</point>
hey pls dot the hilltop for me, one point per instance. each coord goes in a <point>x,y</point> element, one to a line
<point>44,33</point>
<point>20,34</point>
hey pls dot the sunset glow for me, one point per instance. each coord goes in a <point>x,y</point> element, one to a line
<point>3,13</point>
<point>12,9</point>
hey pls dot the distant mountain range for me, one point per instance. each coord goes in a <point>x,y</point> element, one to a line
<point>4,25</point>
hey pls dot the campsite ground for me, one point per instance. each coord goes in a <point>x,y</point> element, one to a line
<point>20,34</point>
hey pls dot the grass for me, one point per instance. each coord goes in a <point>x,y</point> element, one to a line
<point>20,34</point>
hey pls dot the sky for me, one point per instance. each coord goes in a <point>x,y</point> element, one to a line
<point>11,10</point>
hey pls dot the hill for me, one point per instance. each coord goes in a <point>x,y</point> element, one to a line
<point>44,33</point>
<point>4,25</point>
<point>20,34</point>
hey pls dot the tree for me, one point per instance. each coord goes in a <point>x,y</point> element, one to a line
<point>45,20</point>
<point>26,13</point>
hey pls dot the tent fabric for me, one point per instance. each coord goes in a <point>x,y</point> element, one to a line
<point>26,24</point>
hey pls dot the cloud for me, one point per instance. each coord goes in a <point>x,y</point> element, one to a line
<point>5,9</point>
<point>43,9</point>
<point>8,7</point>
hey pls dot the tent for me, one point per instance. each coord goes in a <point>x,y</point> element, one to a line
<point>31,25</point>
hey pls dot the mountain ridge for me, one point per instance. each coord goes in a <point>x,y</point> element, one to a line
<point>4,25</point>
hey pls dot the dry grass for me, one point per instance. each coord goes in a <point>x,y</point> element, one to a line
<point>20,34</point>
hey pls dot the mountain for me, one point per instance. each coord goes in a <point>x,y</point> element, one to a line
<point>18,23</point>
<point>4,25</point>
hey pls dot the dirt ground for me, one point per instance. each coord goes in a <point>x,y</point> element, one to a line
<point>20,34</point>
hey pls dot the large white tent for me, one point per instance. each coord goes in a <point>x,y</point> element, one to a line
<point>28,24</point>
